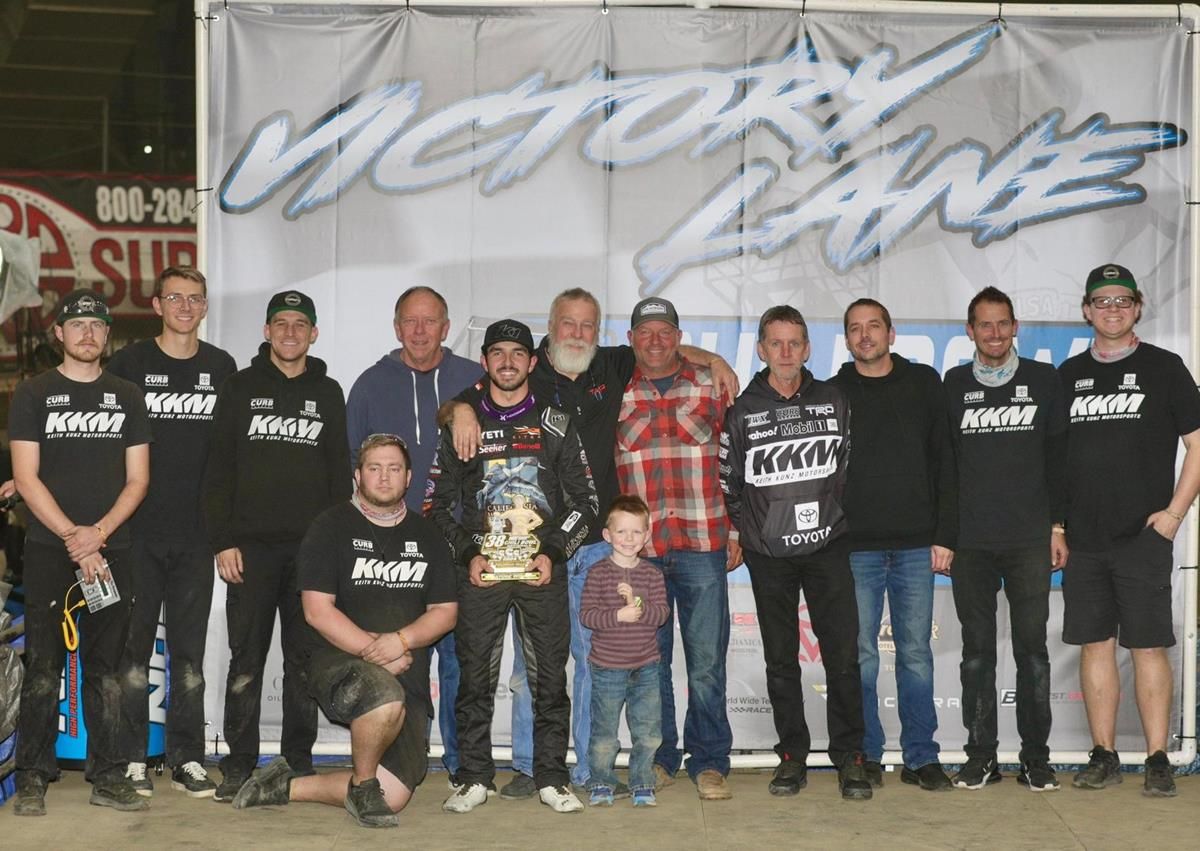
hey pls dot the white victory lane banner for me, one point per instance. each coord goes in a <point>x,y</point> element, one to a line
<point>728,159</point>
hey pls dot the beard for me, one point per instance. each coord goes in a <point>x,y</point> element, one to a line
<point>574,356</point>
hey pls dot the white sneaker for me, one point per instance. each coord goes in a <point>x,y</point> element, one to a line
<point>560,799</point>
<point>468,797</point>
<point>135,773</point>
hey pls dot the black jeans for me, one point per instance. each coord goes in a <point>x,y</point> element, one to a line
<point>977,577</point>
<point>828,587</point>
<point>49,572</point>
<point>544,626</point>
<point>182,578</point>
<point>269,583</point>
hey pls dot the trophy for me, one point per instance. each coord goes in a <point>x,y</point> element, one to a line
<point>509,554</point>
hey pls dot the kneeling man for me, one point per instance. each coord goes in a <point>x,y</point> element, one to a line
<point>378,585</point>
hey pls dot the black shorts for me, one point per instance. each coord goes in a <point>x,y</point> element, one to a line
<point>1124,592</point>
<point>346,687</point>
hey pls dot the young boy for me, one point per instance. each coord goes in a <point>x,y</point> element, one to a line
<point>624,603</point>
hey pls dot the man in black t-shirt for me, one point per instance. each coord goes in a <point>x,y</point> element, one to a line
<point>172,559</point>
<point>81,460</point>
<point>1009,429</point>
<point>1129,404</point>
<point>378,586</point>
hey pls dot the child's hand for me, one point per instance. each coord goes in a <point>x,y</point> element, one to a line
<point>626,592</point>
<point>629,614</point>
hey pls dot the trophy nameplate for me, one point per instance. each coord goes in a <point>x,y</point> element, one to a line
<point>509,555</point>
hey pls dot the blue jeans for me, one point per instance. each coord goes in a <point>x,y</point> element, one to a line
<point>447,662</point>
<point>581,646</point>
<point>637,691</point>
<point>522,709</point>
<point>696,584</point>
<point>907,577</point>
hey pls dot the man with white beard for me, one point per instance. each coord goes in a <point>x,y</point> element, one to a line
<point>577,375</point>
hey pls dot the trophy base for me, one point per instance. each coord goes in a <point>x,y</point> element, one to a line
<point>510,576</point>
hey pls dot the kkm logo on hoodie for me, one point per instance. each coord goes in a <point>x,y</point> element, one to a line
<point>286,429</point>
<point>792,461</point>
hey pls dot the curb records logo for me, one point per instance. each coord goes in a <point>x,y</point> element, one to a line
<point>759,419</point>
<point>363,544</point>
<point>58,401</point>
<point>887,642</point>
<point>262,404</point>
<point>808,515</point>
<point>789,412</point>
<point>973,396</point>
<point>1085,384</point>
<point>157,380</point>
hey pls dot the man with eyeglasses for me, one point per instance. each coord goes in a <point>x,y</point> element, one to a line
<point>401,394</point>
<point>81,460</point>
<point>378,585</point>
<point>531,458</point>
<point>1008,424</point>
<point>172,561</point>
<point>278,459</point>
<point>1130,402</point>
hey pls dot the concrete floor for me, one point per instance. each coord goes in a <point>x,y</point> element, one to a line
<point>900,817</point>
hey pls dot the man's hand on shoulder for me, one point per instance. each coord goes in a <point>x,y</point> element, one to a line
<point>465,431</point>
<point>229,565</point>
<point>725,380</point>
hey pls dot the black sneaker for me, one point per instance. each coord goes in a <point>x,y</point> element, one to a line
<point>977,773</point>
<point>119,795</point>
<point>852,778</point>
<point>1160,777</point>
<point>1037,776</point>
<point>191,779</point>
<point>232,780</point>
<point>366,803</point>
<point>269,786</point>
<point>135,773</point>
<point>791,775</point>
<point>929,777</point>
<point>519,788</point>
<point>30,797</point>
<point>1103,769</point>
<point>874,773</point>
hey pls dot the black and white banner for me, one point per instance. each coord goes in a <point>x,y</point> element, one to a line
<point>726,159</point>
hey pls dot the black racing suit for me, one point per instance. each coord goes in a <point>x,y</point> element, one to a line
<point>783,470</point>
<point>530,475</point>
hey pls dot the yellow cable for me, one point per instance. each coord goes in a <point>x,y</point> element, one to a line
<point>69,630</point>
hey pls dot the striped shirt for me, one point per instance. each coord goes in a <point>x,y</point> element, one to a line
<point>666,453</point>
<point>623,645</point>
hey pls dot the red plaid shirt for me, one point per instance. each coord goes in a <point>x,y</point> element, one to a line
<point>667,454</point>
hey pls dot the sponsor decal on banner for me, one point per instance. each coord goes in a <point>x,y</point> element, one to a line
<point>114,232</point>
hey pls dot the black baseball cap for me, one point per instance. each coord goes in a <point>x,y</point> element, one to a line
<point>507,330</point>
<point>1110,275</point>
<point>292,300</point>
<point>653,309</point>
<point>83,303</point>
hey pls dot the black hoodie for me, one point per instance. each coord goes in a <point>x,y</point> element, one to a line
<point>279,455</point>
<point>902,485</point>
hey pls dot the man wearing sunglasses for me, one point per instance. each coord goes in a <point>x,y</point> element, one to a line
<point>172,559</point>
<point>278,459</point>
<point>1130,402</point>
<point>81,460</point>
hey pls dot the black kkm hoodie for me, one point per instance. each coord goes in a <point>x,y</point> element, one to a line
<point>902,487</point>
<point>279,455</point>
